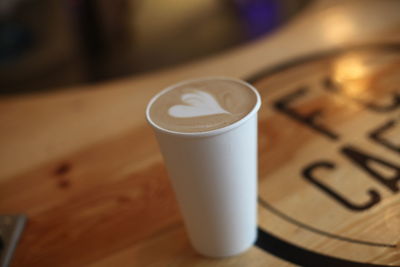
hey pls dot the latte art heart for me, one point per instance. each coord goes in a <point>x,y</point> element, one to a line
<point>201,105</point>
<point>198,103</point>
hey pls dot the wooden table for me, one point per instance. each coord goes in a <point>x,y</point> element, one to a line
<point>85,167</point>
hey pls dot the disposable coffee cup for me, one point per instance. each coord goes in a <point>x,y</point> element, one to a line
<point>213,172</point>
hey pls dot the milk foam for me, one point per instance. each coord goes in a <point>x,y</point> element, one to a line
<point>202,105</point>
<point>197,103</point>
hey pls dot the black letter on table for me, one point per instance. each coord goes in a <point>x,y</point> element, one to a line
<point>387,108</point>
<point>362,160</point>
<point>308,175</point>
<point>395,103</point>
<point>283,105</point>
<point>376,135</point>
<point>330,85</point>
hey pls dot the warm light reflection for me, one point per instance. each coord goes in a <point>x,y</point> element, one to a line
<point>351,72</point>
<point>350,67</point>
<point>337,26</point>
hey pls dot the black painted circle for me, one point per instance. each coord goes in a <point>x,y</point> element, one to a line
<point>285,249</point>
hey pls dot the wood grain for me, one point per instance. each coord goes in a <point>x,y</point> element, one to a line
<point>84,166</point>
<point>293,145</point>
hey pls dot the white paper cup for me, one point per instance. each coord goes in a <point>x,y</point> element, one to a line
<point>214,176</point>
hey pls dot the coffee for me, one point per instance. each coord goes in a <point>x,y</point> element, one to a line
<point>202,105</point>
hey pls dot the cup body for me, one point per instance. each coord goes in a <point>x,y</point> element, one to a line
<point>214,176</point>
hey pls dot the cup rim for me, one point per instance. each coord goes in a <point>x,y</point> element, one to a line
<point>218,131</point>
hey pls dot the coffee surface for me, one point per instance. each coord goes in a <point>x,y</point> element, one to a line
<point>202,105</point>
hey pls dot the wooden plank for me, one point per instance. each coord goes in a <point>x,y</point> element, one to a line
<point>317,173</point>
<point>84,165</point>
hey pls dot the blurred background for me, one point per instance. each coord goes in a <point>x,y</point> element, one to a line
<point>49,44</point>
